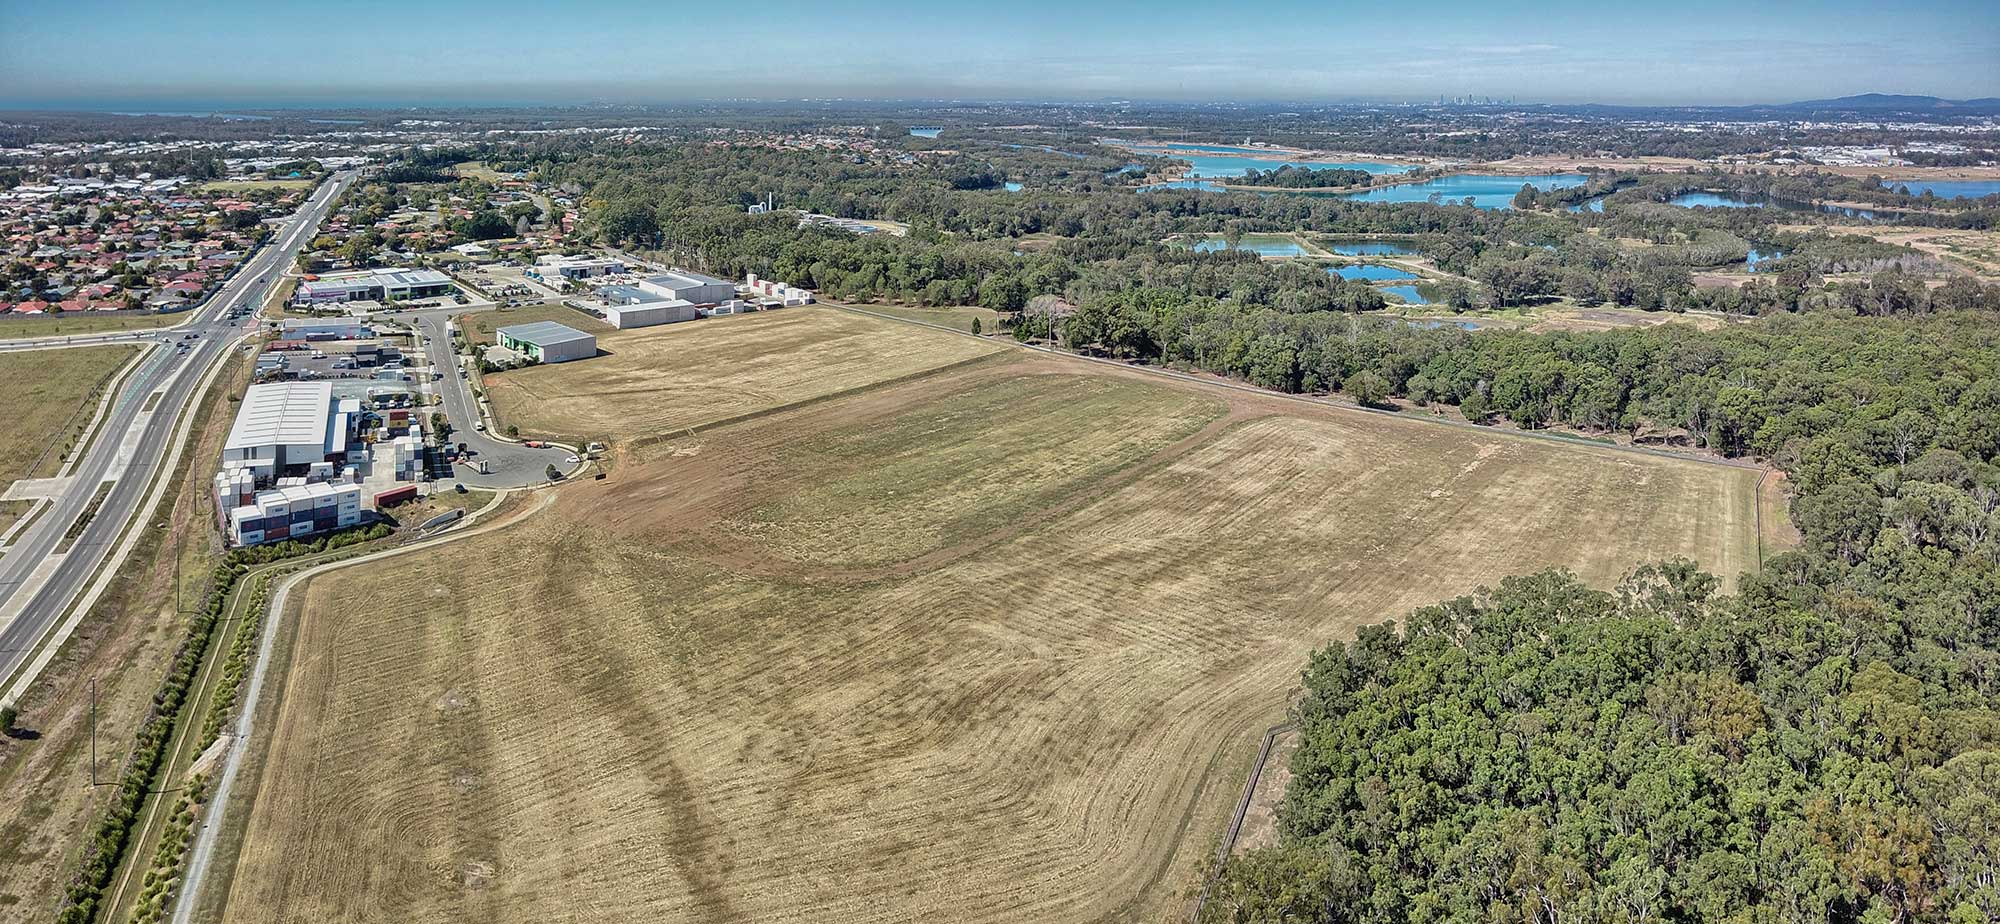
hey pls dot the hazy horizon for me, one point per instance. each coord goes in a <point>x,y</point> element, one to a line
<point>230,53</point>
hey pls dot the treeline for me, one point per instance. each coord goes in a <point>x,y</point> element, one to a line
<point>1297,177</point>
<point>101,855</point>
<point>1823,745</point>
<point>686,203</point>
<point>1751,389</point>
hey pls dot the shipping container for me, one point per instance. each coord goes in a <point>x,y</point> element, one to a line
<point>396,495</point>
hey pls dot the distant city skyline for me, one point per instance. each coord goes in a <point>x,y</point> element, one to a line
<point>218,53</point>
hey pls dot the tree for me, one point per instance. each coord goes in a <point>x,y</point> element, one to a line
<point>975,327</point>
<point>1473,407</point>
<point>1367,388</point>
<point>552,472</point>
<point>8,716</point>
<point>626,221</point>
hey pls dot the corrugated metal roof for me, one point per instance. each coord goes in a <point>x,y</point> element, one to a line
<point>283,414</point>
<point>544,334</point>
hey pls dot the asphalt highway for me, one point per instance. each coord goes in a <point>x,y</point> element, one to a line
<point>135,438</point>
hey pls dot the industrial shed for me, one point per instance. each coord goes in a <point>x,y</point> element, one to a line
<point>626,307</point>
<point>690,287</point>
<point>547,341</point>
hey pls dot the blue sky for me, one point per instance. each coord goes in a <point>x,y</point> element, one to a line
<point>94,53</point>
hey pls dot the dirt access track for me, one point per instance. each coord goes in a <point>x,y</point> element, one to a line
<point>994,643</point>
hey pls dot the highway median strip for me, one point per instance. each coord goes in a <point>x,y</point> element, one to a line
<point>83,519</point>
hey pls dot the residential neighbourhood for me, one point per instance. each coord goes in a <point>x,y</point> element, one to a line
<point>124,245</point>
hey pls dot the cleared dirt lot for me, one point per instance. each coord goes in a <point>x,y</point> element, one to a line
<point>664,379</point>
<point>699,691</point>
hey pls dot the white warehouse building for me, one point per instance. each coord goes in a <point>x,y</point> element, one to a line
<point>377,285</point>
<point>547,342</point>
<point>627,307</point>
<point>689,287</point>
<point>285,424</point>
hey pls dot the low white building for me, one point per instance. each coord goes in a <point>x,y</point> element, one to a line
<point>324,329</point>
<point>373,285</point>
<point>628,306</point>
<point>547,341</point>
<point>577,267</point>
<point>689,287</point>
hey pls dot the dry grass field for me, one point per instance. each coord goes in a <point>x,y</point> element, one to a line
<point>662,380</point>
<point>79,323</point>
<point>120,653</point>
<point>47,400</point>
<point>994,644</point>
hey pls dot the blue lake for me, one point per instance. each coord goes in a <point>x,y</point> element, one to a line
<point>1370,272</point>
<point>1408,294</point>
<point>1263,245</point>
<point>926,132</point>
<point>1200,185</point>
<point>1712,201</point>
<point>1589,205</point>
<point>1486,191</point>
<point>1013,186</point>
<point>1220,161</point>
<point>1948,189</point>
<point>1204,148</point>
<point>1718,201</point>
<point>1372,249</point>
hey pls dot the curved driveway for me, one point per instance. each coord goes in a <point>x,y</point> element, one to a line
<point>511,464</point>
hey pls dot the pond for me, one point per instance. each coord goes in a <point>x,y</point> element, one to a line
<point>1709,200</point>
<point>926,132</point>
<point>1589,205</point>
<point>1406,293</point>
<point>1370,272</point>
<point>1372,248</point>
<point>1014,187</point>
<point>1948,189</point>
<point>1757,258</point>
<point>1219,161</point>
<point>1487,191</point>
<point>1263,245</point>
